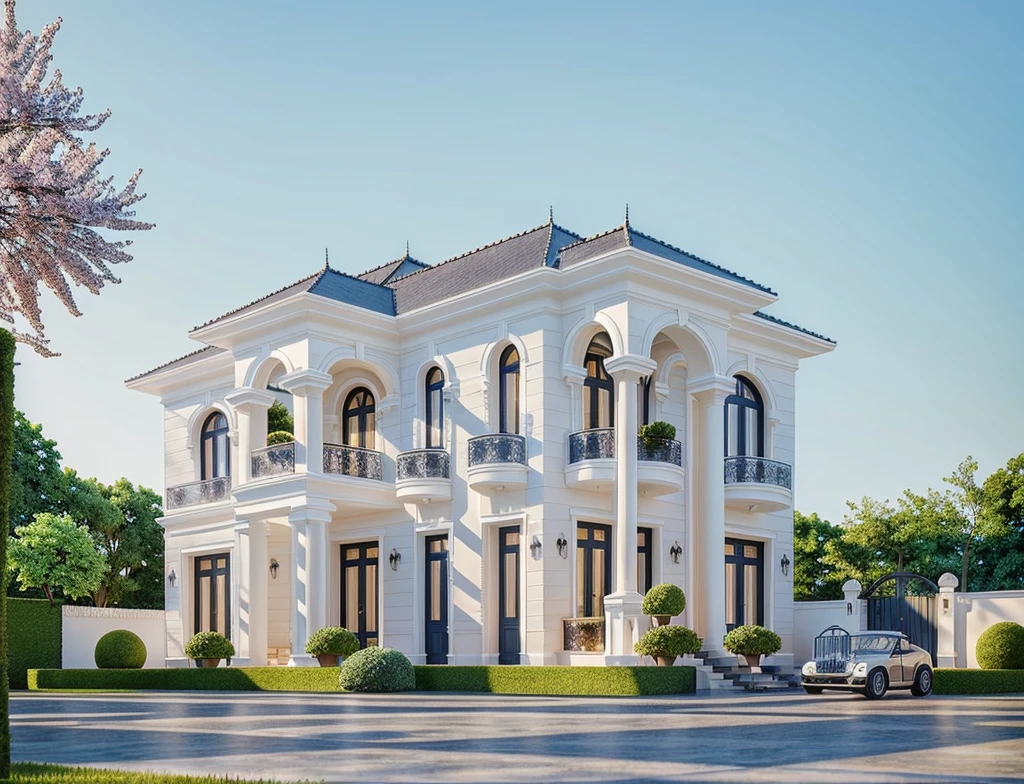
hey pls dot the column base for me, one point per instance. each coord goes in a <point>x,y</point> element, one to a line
<point>303,660</point>
<point>624,624</point>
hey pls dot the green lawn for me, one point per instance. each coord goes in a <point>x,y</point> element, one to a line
<point>33,773</point>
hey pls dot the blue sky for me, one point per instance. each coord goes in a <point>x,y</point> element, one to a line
<point>863,160</point>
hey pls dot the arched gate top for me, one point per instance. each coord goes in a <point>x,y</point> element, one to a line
<point>901,578</point>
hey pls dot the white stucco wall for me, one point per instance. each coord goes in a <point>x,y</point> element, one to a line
<point>976,612</point>
<point>82,628</point>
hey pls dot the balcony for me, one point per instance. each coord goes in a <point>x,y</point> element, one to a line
<point>273,460</point>
<point>353,461</point>
<point>424,475</point>
<point>590,464</point>
<point>497,462</point>
<point>659,468</point>
<point>757,484</point>
<point>209,491</point>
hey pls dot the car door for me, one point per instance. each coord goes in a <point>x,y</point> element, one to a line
<point>896,665</point>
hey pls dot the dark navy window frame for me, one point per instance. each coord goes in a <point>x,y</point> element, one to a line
<point>360,413</point>
<point>508,366</point>
<point>434,389</point>
<point>219,435</point>
<point>594,386</point>
<point>743,403</point>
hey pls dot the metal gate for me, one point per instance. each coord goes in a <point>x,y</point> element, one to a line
<point>911,612</point>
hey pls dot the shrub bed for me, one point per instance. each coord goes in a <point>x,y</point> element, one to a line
<point>120,650</point>
<point>311,679</point>
<point>587,681</point>
<point>955,681</point>
<point>33,637</point>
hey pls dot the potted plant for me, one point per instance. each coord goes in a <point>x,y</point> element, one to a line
<point>752,642</point>
<point>663,601</point>
<point>208,648</point>
<point>665,643</point>
<point>656,438</point>
<point>331,643</point>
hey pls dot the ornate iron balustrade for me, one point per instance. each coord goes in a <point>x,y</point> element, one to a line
<point>759,470</point>
<point>497,448</point>
<point>272,460</point>
<point>583,634</point>
<point>209,491</point>
<point>353,461</point>
<point>592,444</point>
<point>659,450</point>
<point>423,464</point>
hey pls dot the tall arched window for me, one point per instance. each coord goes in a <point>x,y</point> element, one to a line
<point>435,408</point>
<point>744,421</point>
<point>214,448</point>
<point>359,419</point>
<point>508,384</point>
<point>598,387</point>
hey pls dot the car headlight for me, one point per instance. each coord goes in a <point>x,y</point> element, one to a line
<point>860,670</point>
<point>810,668</point>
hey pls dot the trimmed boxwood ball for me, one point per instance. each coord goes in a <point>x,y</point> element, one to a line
<point>209,645</point>
<point>377,670</point>
<point>279,437</point>
<point>1001,647</point>
<point>120,650</point>
<point>752,641</point>
<point>668,641</point>
<point>664,599</point>
<point>332,641</point>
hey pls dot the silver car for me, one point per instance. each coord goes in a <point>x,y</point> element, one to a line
<point>869,663</point>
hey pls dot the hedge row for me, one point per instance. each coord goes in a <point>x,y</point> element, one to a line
<point>33,637</point>
<point>950,681</point>
<point>591,681</point>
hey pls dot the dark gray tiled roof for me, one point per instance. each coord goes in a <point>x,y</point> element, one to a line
<point>781,323</point>
<point>205,351</point>
<point>393,270</point>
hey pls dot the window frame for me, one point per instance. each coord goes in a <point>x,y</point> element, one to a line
<point>745,404</point>
<point>367,435</point>
<point>433,388</point>
<point>505,369</point>
<point>596,385</point>
<point>220,436</point>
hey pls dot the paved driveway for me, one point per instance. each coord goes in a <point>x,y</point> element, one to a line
<point>439,737</point>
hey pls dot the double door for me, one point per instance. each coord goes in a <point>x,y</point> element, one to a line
<point>359,591</point>
<point>744,581</point>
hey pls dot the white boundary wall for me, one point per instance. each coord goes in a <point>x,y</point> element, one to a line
<point>975,612</point>
<point>82,628</point>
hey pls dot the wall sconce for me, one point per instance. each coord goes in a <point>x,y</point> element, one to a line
<point>274,566</point>
<point>171,578</point>
<point>849,608</point>
<point>945,605</point>
<point>675,551</point>
<point>562,545</point>
<point>535,548</point>
<point>394,559</point>
<point>785,563</point>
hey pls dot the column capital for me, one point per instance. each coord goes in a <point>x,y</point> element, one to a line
<point>630,367</point>
<point>313,511</point>
<point>248,399</point>
<point>306,382</point>
<point>574,374</point>
<point>711,389</point>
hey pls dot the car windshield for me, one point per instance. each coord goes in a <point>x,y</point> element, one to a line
<point>872,643</point>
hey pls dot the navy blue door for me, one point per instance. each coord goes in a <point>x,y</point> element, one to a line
<point>508,595</point>
<point>437,599</point>
<point>744,581</point>
<point>359,591</point>
<point>593,568</point>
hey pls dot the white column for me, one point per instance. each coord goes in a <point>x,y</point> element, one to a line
<point>946,655</point>
<point>308,387</point>
<point>711,392</point>
<point>310,581</point>
<point>250,407</point>
<point>623,608</point>
<point>259,567</point>
<point>240,599</point>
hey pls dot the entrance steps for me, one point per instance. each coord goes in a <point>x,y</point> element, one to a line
<point>727,673</point>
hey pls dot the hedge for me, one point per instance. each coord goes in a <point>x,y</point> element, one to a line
<point>33,637</point>
<point>587,681</point>
<point>956,681</point>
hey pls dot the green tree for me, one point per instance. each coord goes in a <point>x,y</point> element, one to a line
<point>998,561</point>
<point>814,579</point>
<point>56,555</point>
<point>6,453</point>
<point>972,517</point>
<point>36,476</point>
<point>278,418</point>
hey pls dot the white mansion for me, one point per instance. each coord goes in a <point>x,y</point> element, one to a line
<point>466,480</point>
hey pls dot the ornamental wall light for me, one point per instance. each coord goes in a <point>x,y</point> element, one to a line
<point>394,559</point>
<point>785,563</point>
<point>675,551</point>
<point>274,566</point>
<point>171,578</point>
<point>849,608</point>
<point>535,548</point>
<point>562,545</point>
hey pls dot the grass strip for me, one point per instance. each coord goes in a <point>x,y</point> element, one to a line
<point>37,773</point>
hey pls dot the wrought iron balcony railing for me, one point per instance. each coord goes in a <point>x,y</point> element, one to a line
<point>423,464</point>
<point>659,450</point>
<point>758,470</point>
<point>353,461</point>
<point>272,460</point>
<point>209,491</point>
<point>497,448</point>
<point>592,444</point>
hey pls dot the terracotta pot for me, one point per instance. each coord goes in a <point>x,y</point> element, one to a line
<point>661,620</point>
<point>752,659</point>
<point>328,660</point>
<point>207,662</point>
<point>665,661</point>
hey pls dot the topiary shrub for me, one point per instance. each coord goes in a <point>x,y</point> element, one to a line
<point>752,641</point>
<point>1001,647</point>
<point>279,437</point>
<point>377,670</point>
<point>209,645</point>
<point>653,434</point>
<point>667,642</point>
<point>332,641</point>
<point>664,599</point>
<point>120,650</point>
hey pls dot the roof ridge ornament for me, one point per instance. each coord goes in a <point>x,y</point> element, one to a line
<point>551,214</point>
<point>406,250</point>
<point>625,227</point>
<point>327,260</point>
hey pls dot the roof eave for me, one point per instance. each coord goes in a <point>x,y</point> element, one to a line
<point>158,381</point>
<point>800,343</point>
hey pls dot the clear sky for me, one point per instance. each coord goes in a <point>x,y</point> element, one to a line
<point>862,159</point>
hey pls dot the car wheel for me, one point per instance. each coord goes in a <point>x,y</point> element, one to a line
<point>923,682</point>
<point>813,689</point>
<point>878,684</point>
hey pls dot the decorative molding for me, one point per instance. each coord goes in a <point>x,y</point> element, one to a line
<point>72,611</point>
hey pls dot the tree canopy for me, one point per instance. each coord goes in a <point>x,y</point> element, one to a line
<point>56,555</point>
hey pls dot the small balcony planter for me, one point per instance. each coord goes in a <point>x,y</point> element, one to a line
<point>583,634</point>
<point>208,648</point>
<point>331,644</point>
<point>665,643</point>
<point>663,601</point>
<point>752,642</point>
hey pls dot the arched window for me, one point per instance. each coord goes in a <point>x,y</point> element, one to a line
<point>359,419</point>
<point>643,400</point>
<point>598,387</point>
<point>744,421</point>
<point>508,384</point>
<point>435,408</point>
<point>214,448</point>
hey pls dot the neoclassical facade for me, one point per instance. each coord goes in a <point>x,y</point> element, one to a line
<point>465,482</point>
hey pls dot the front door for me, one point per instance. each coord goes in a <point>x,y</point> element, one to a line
<point>213,594</point>
<point>593,568</point>
<point>744,583</point>
<point>508,595</point>
<point>359,591</point>
<point>437,599</point>
<point>644,560</point>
